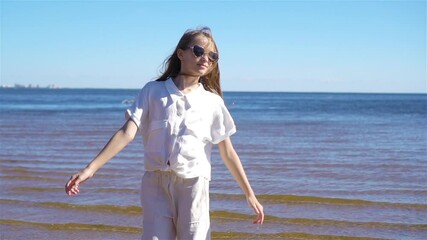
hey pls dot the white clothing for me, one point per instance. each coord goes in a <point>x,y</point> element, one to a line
<point>179,130</point>
<point>174,207</point>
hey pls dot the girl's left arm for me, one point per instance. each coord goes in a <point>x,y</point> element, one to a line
<point>234,165</point>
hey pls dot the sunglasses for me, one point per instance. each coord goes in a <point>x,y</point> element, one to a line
<point>200,51</point>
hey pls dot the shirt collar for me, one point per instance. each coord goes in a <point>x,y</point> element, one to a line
<point>172,89</point>
<point>191,98</point>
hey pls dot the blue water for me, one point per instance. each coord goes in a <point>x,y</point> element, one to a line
<point>369,147</point>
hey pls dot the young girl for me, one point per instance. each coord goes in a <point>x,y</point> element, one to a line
<point>180,116</point>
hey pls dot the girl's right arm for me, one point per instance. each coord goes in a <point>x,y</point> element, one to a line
<point>118,142</point>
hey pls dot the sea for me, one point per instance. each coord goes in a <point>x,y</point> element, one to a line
<point>324,166</point>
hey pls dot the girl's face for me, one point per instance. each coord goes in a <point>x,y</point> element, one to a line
<point>198,58</point>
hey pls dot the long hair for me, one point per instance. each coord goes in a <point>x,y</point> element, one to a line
<point>172,65</point>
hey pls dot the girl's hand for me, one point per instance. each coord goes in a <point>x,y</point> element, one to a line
<point>72,186</point>
<point>258,209</point>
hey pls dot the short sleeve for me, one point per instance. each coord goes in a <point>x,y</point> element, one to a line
<point>222,125</point>
<point>139,109</point>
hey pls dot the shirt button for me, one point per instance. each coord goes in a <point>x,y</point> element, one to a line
<point>179,114</point>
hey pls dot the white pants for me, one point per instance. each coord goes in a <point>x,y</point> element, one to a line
<point>174,207</point>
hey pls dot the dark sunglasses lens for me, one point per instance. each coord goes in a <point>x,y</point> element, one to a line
<point>213,56</point>
<point>198,51</point>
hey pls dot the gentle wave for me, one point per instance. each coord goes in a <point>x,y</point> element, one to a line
<point>61,189</point>
<point>287,235</point>
<point>224,216</point>
<point>294,199</point>
<point>266,199</point>
<point>126,210</point>
<point>36,189</point>
<point>215,235</point>
<point>37,178</point>
<point>227,216</point>
<point>25,172</point>
<point>73,226</point>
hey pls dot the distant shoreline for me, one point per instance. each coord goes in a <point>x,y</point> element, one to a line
<point>30,86</point>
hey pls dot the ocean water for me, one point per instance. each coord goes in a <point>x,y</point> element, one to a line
<point>324,165</point>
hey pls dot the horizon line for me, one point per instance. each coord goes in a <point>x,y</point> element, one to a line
<point>239,91</point>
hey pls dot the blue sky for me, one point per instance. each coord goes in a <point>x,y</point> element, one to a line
<point>289,46</point>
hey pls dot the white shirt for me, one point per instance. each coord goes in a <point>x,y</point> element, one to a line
<point>179,130</point>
